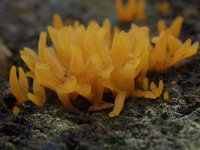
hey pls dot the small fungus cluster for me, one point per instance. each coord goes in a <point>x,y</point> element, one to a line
<point>169,51</point>
<point>91,61</point>
<point>132,9</point>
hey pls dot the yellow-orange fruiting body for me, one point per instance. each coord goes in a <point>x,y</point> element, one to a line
<point>16,110</point>
<point>86,61</point>
<point>90,61</point>
<point>141,15</point>
<point>38,95</point>
<point>170,51</point>
<point>163,7</point>
<point>125,13</point>
<point>174,29</point>
<point>166,96</point>
<point>168,48</point>
<point>19,87</point>
<point>133,9</point>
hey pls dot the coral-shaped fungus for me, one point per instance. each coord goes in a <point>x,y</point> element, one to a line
<point>89,61</point>
<point>132,9</point>
<point>168,48</point>
<point>19,87</point>
<point>170,51</point>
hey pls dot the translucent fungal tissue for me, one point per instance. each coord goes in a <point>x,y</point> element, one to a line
<point>90,61</point>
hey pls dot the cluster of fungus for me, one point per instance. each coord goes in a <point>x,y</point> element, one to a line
<point>169,51</point>
<point>135,9</point>
<point>132,9</point>
<point>90,61</point>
